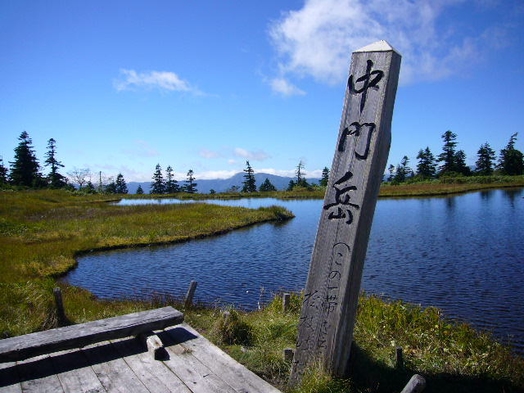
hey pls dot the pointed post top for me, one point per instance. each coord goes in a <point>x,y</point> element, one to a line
<point>379,46</point>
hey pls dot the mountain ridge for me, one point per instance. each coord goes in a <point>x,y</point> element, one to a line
<point>222,185</point>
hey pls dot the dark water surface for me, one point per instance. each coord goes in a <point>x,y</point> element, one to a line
<point>463,254</point>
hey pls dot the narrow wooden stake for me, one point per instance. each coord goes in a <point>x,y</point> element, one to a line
<point>288,354</point>
<point>400,358</point>
<point>331,294</point>
<point>60,312</point>
<point>190,294</point>
<point>285,302</point>
<point>416,384</point>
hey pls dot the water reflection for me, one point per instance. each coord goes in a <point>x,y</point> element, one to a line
<point>463,254</point>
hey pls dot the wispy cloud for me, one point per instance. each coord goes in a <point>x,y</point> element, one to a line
<point>317,40</point>
<point>161,80</point>
<point>258,155</point>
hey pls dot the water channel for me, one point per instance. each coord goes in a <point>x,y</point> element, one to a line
<point>463,254</point>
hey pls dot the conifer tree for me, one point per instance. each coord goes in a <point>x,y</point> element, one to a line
<point>325,177</point>
<point>267,186</point>
<point>158,186</point>
<point>120,185</point>
<point>25,167</point>
<point>190,187</point>
<point>3,172</point>
<point>485,160</point>
<point>426,167</point>
<point>55,179</point>
<point>139,190</point>
<point>249,183</point>
<point>171,184</point>
<point>511,161</point>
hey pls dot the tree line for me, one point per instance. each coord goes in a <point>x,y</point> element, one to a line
<point>451,162</point>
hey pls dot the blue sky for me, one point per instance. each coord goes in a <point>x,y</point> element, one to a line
<point>207,85</point>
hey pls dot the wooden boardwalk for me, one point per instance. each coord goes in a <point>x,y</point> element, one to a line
<point>190,363</point>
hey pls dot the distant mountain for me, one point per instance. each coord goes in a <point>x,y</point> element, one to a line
<point>223,185</point>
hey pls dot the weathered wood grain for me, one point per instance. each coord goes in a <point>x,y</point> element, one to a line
<point>113,372</point>
<point>221,364</point>
<point>77,336</point>
<point>361,152</point>
<point>153,373</point>
<point>38,376</point>
<point>75,373</point>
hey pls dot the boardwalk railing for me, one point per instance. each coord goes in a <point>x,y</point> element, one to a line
<point>77,336</point>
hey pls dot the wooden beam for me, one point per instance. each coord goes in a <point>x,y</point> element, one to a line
<point>77,336</point>
<point>361,152</point>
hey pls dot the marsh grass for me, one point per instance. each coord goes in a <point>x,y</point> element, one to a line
<point>452,356</point>
<point>41,233</point>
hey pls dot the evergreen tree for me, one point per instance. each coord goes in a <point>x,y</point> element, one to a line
<point>120,185</point>
<point>3,172</point>
<point>139,190</point>
<point>158,186</point>
<point>426,167</point>
<point>403,171</point>
<point>171,184</point>
<point>24,169</point>
<point>460,163</point>
<point>249,183</point>
<point>485,160</point>
<point>55,179</point>
<point>511,161</point>
<point>267,186</point>
<point>291,185</point>
<point>190,187</point>
<point>325,177</point>
<point>301,180</point>
<point>448,155</point>
<point>110,188</point>
<point>391,170</point>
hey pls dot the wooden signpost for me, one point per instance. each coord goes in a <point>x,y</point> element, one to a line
<point>331,294</point>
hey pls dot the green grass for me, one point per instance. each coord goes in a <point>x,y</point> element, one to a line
<point>42,232</point>
<point>453,357</point>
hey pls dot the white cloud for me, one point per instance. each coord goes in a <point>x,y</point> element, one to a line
<point>317,40</point>
<point>162,80</point>
<point>258,155</point>
<point>206,153</point>
<point>284,87</point>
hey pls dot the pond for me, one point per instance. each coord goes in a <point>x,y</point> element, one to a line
<point>463,254</point>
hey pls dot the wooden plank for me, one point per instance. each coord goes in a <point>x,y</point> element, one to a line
<point>361,152</point>
<point>153,373</point>
<point>197,376</point>
<point>9,380</point>
<point>111,370</point>
<point>75,373</point>
<point>38,375</point>
<point>76,336</point>
<point>229,370</point>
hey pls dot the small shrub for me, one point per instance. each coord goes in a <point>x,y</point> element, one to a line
<point>232,330</point>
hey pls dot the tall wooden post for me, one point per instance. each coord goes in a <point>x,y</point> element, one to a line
<point>331,295</point>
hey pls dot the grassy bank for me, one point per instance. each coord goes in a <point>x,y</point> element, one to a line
<point>42,232</point>
<point>452,357</point>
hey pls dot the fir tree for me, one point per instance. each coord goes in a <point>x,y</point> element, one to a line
<point>325,177</point>
<point>267,186</point>
<point>426,167</point>
<point>190,187</point>
<point>171,184</point>
<point>485,160</point>
<point>3,172</point>
<point>158,186</point>
<point>511,161</point>
<point>249,183</point>
<point>55,179</point>
<point>120,185</point>
<point>24,169</point>
<point>139,190</point>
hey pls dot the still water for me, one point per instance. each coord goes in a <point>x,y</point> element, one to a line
<point>463,254</point>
